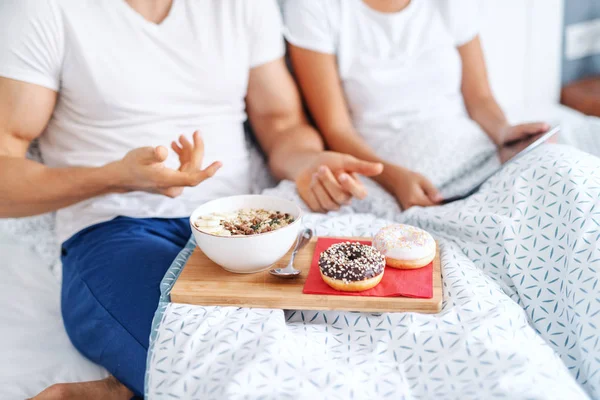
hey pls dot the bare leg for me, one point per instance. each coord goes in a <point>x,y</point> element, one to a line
<point>105,389</point>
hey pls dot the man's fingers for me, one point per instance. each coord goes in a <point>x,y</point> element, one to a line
<point>431,191</point>
<point>332,186</point>
<point>198,142</point>
<point>185,143</point>
<point>171,178</point>
<point>366,168</point>
<point>176,148</point>
<point>172,192</point>
<point>212,169</point>
<point>352,185</point>
<point>325,201</point>
<point>198,153</point>
<point>199,176</point>
<point>145,155</point>
<point>154,155</point>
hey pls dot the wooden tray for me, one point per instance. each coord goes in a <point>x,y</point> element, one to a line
<point>203,282</point>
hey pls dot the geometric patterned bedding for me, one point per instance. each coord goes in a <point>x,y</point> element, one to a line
<point>520,316</point>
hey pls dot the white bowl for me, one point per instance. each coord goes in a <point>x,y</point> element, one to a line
<point>253,253</point>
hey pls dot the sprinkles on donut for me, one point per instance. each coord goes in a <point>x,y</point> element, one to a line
<point>405,246</point>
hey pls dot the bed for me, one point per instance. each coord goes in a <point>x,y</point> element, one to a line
<point>36,351</point>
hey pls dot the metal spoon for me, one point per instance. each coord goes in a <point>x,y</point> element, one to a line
<point>289,271</point>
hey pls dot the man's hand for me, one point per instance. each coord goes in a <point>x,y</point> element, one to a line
<point>410,188</point>
<point>331,180</point>
<point>514,134</point>
<point>143,169</point>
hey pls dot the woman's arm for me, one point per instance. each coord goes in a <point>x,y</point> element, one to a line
<point>480,102</point>
<point>319,80</point>
<point>294,149</point>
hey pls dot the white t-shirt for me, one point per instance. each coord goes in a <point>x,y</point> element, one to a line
<point>125,82</point>
<point>401,75</point>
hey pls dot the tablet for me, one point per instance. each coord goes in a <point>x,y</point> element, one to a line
<point>468,184</point>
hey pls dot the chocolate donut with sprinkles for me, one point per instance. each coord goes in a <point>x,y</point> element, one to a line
<point>351,267</point>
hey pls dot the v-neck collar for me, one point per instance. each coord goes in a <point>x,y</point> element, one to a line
<point>143,20</point>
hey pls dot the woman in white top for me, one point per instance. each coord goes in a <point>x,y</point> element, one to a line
<point>402,82</point>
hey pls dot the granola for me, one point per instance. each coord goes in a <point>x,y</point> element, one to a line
<point>244,222</point>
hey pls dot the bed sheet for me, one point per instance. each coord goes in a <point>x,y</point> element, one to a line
<point>35,351</point>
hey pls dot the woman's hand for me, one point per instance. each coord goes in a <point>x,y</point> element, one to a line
<point>143,168</point>
<point>331,180</point>
<point>511,135</point>
<point>410,188</point>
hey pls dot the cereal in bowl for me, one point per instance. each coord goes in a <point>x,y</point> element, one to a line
<point>244,222</point>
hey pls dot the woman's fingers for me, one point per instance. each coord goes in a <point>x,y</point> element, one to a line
<point>366,168</point>
<point>352,185</point>
<point>325,201</point>
<point>418,193</point>
<point>421,199</point>
<point>332,186</point>
<point>311,201</point>
<point>518,133</point>
<point>431,191</point>
<point>533,128</point>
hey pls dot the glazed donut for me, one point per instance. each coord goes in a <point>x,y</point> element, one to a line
<point>351,267</point>
<point>405,246</point>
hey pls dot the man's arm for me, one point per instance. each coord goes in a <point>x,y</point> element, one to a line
<point>275,111</point>
<point>294,149</point>
<point>29,188</point>
<point>480,102</point>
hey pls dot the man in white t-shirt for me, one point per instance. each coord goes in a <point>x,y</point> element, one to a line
<point>105,85</point>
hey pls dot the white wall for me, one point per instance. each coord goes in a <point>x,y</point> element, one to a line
<point>522,40</point>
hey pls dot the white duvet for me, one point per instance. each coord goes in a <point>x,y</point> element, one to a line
<point>520,318</point>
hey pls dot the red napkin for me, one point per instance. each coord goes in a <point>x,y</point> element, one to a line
<point>417,283</point>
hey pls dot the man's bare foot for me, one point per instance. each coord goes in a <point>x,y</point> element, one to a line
<point>108,389</point>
